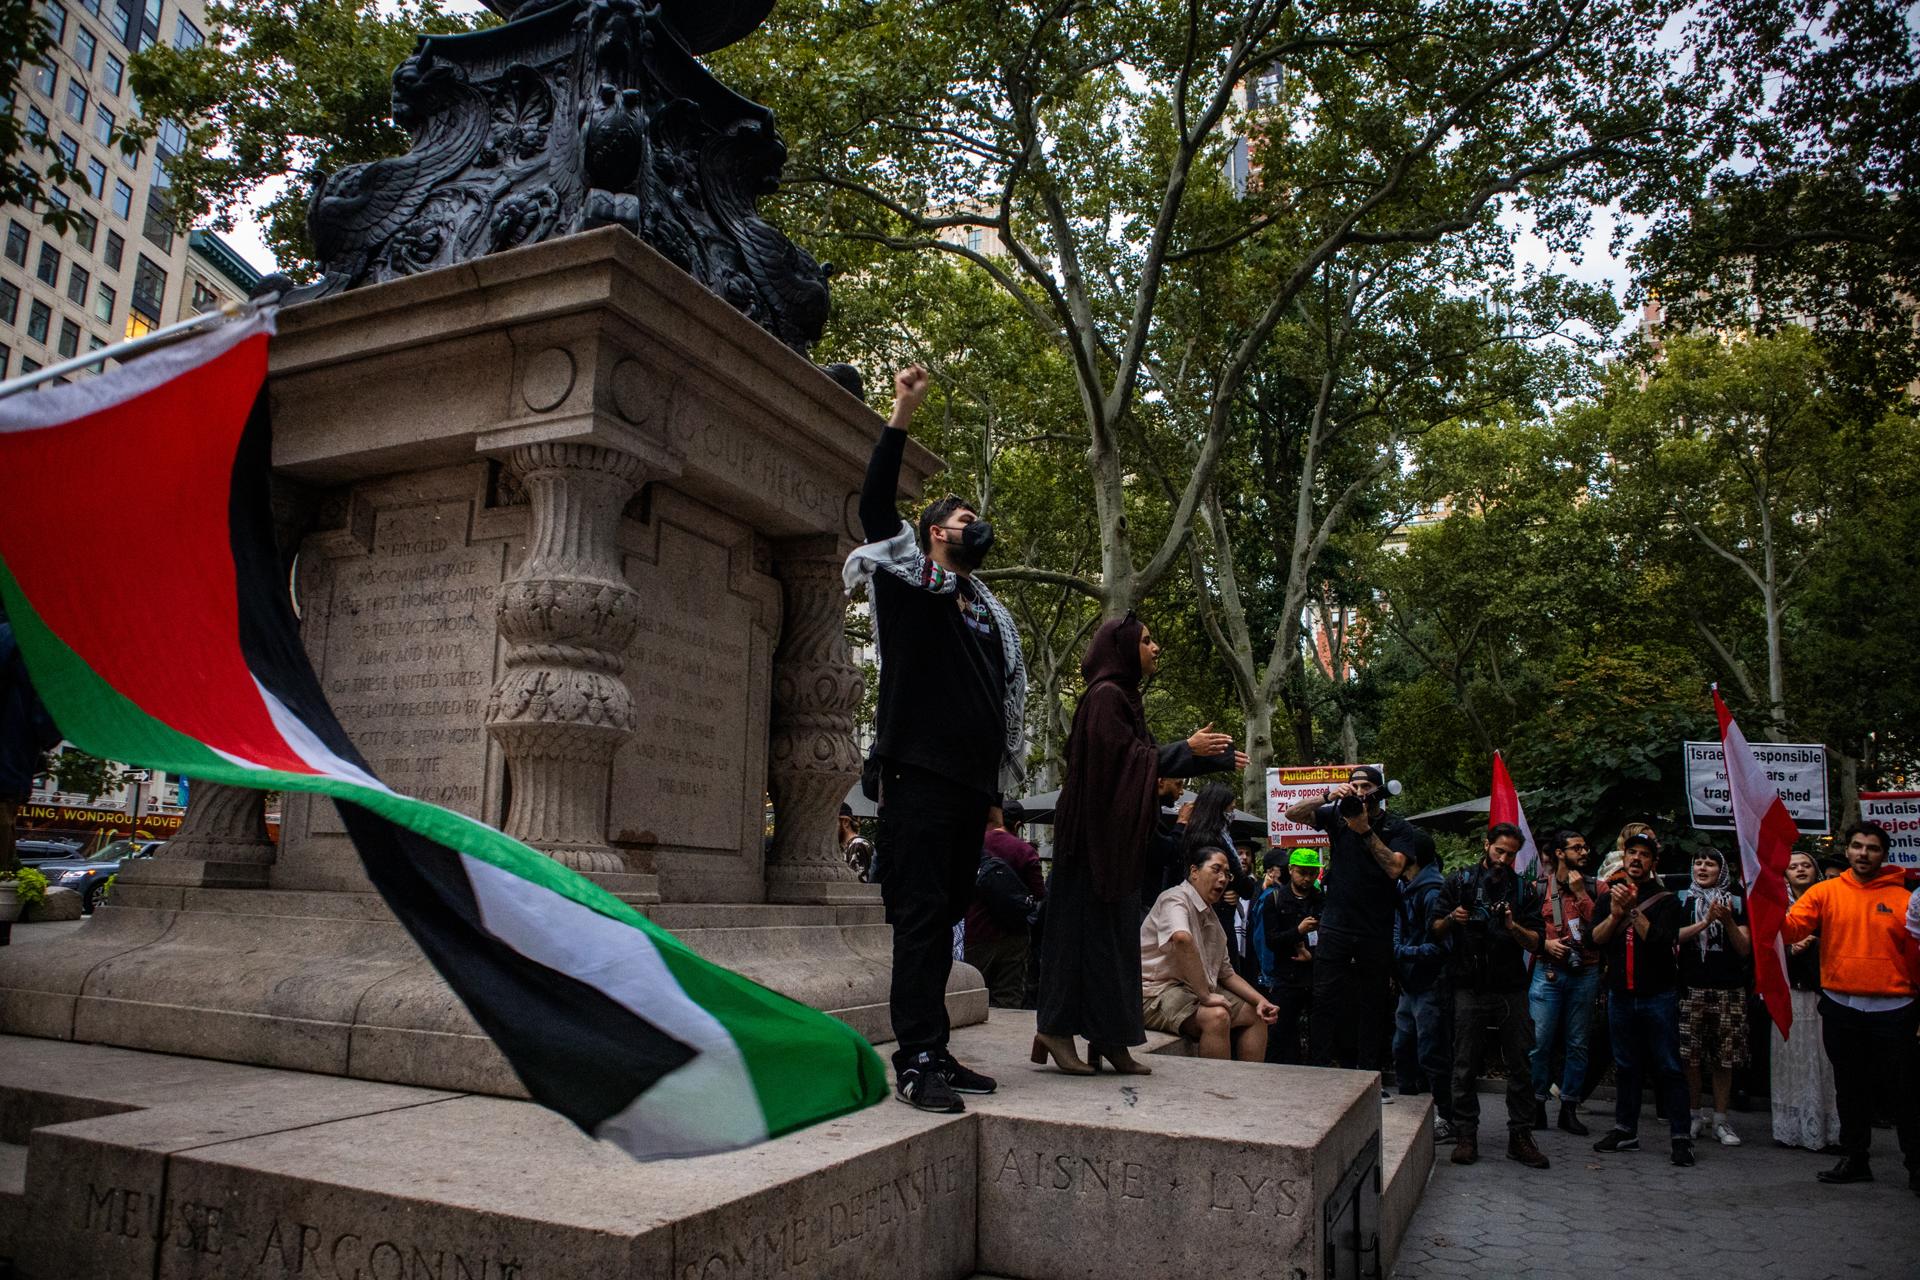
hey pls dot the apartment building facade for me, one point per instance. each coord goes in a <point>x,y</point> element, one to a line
<point>128,269</point>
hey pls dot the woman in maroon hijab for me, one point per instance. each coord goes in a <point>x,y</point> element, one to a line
<point>1090,949</point>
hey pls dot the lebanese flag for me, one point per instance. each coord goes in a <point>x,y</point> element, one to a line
<point>1504,806</point>
<point>607,1018</point>
<point>1766,833</point>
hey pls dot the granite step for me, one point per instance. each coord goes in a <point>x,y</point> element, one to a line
<point>13,1195</point>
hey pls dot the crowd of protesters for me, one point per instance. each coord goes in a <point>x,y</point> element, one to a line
<point>1532,973</point>
<point>1146,922</point>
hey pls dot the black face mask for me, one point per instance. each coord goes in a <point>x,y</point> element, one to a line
<point>976,540</point>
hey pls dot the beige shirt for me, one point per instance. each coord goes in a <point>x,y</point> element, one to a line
<point>1180,909</point>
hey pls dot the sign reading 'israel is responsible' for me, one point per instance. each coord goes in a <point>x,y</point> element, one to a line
<point>1798,770</point>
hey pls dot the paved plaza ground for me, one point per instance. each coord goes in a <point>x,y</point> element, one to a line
<point>1742,1213</point>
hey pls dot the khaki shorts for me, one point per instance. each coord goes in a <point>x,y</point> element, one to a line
<point>1169,1010</point>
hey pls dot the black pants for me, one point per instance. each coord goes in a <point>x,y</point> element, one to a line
<point>1352,1003</point>
<point>1294,1000</point>
<point>1873,1055</point>
<point>1506,1013</point>
<point>931,833</point>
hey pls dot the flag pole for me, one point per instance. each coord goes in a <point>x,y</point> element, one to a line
<point>125,351</point>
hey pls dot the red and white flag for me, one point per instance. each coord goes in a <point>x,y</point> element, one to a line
<point>1766,833</point>
<point>1504,806</point>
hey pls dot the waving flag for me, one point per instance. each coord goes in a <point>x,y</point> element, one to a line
<point>1766,833</point>
<point>607,1018</point>
<point>1504,806</point>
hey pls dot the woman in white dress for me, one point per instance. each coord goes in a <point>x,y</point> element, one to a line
<point>1803,1106</point>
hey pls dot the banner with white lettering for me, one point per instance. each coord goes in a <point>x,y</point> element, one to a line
<point>1287,787</point>
<point>1798,770</point>
<point>1899,813</point>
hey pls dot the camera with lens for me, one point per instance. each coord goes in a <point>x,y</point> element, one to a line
<point>1351,806</point>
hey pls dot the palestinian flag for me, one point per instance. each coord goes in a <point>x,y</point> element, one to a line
<point>607,1018</point>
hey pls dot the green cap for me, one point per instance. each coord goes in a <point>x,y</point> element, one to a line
<point>1305,858</point>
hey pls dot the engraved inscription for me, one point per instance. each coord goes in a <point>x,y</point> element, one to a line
<point>683,775</point>
<point>840,1228</point>
<point>1070,1173</point>
<point>410,653</point>
<point>1073,1174</point>
<point>280,1247</point>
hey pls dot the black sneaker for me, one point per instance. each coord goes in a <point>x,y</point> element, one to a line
<point>921,1083</point>
<point>1617,1141</point>
<point>964,1080</point>
<point>1682,1152</point>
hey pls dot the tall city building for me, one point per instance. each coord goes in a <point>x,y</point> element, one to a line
<point>128,269</point>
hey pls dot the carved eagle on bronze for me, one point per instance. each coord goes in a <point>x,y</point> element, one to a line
<point>613,139</point>
<point>355,212</point>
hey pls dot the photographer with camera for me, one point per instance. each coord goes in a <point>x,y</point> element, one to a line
<point>1353,964</point>
<point>1564,981</point>
<point>1492,921</point>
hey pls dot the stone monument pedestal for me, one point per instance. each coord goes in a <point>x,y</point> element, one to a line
<point>570,565</point>
<point>116,1165</point>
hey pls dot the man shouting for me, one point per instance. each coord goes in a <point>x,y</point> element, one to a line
<point>953,691</point>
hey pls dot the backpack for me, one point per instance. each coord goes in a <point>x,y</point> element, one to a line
<point>1257,948</point>
<point>1003,895</point>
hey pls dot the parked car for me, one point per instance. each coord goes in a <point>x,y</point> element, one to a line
<point>35,850</point>
<point>88,876</point>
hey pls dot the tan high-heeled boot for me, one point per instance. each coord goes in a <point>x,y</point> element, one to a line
<point>1119,1059</point>
<point>1063,1053</point>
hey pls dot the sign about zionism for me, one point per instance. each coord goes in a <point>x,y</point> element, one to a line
<point>607,1018</point>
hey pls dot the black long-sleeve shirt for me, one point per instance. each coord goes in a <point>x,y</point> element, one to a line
<point>943,679</point>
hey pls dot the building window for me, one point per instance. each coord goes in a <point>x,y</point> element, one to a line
<point>91,6</point>
<point>103,301</point>
<point>86,230</point>
<point>17,238</point>
<point>185,34</point>
<point>39,317</point>
<point>116,247</point>
<point>103,123</point>
<point>94,344</point>
<point>974,239</point>
<point>77,101</point>
<point>46,78</point>
<point>122,199</point>
<point>70,150</point>
<point>78,278</point>
<point>37,128</point>
<point>96,178</point>
<point>114,72</point>
<point>204,299</point>
<point>149,288</point>
<point>58,198</point>
<point>49,268</point>
<point>56,16</point>
<point>6,358</point>
<point>85,46</point>
<point>28,364</point>
<point>158,227</point>
<point>69,339</point>
<point>9,301</point>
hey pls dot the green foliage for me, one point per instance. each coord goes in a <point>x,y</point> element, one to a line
<point>280,92</point>
<point>1805,214</point>
<point>77,772</point>
<point>28,884</point>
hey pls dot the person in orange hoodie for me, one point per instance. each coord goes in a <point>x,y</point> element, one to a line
<point>1869,980</point>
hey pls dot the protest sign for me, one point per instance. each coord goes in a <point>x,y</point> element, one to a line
<point>1798,770</point>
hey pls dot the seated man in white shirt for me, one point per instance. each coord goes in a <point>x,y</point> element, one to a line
<point>1187,986</point>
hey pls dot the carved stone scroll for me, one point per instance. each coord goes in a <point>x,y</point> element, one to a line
<point>561,710</point>
<point>812,760</point>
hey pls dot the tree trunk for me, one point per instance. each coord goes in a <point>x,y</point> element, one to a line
<point>1849,788</point>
